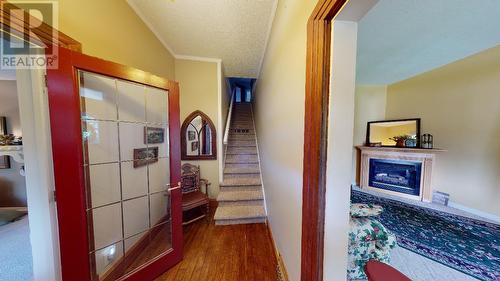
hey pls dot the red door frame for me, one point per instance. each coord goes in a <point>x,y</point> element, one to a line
<point>66,131</point>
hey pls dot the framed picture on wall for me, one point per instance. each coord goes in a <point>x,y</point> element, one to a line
<point>4,160</point>
<point>154,135</point>
<point>144,156</point>
<point>194,146</point>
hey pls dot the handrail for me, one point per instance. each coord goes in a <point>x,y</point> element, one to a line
<point>228,119</point>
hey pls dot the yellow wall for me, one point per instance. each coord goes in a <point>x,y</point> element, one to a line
<point>370,106</point>
<point>199,91</point>
<point>460,105</point>
<point>279,117</point>
<point>111,30</point>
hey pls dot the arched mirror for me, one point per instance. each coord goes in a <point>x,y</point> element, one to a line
<point>198,137</point>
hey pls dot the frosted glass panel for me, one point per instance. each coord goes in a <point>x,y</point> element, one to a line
<point>131,102</point>
<point>157,106</point>
<point>135,216</point>
<point>159,175</point>
<point>107,257</point>
<point>131,137</point>
<point>134,180</point>
<point>107,225</point>
<point>104,184</point>
<point>98,97</point>
<point>159,206</point>
<point>127,173</point>
<point>134,241</point>
<point>100,141</point>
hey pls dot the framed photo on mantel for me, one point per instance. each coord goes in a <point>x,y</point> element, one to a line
<point>4,160</point>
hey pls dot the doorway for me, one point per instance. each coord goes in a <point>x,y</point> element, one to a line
<point>15,250</point>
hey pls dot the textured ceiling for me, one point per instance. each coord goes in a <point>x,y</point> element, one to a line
<point>235,31</point>
<point>398,39</point>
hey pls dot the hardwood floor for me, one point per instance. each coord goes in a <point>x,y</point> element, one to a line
<point>225,253</point>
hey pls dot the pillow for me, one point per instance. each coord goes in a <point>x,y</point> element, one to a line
<point>365,210</point>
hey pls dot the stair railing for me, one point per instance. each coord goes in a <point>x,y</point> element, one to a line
<point>228,119</point>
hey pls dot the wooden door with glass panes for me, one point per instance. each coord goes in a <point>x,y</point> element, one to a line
<point>115,141</point>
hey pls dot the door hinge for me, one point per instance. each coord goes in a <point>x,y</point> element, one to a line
<point>54,195</point>
<point>46,80</point>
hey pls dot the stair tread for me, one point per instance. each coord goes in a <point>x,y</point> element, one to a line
<point>239,212</point>
<point>241,145</point>
<point>241,188</point>
<point>241,170</point>
<point>240,195</point>
<point>243,181</point>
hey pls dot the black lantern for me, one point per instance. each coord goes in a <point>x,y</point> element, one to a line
<point>427,141</point>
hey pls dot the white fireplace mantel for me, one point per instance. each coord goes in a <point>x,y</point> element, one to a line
<point>14,151</point>
<point>424,156</point>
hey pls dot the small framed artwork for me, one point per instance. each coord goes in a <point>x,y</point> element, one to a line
<point>154,135</point>
<point>194,146</point>
<point>144,156</point>
<point>4,160</point>
<point>191,135</point>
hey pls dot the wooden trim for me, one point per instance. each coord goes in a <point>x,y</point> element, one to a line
<point>16,23</point>
<point>281,268</point>
<point>315,137</point>
<point>185,124</point>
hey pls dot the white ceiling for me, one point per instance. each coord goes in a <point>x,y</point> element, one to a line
<point>398,39</point>
<point>235,31</point>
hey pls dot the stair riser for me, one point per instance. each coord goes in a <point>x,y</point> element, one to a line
<point>239,168</point>
<point>241,171</point>
<point>241,188</point>
<point>240,221</point>
<point>258,202</point>
<point>241,150</point>
<point>242,127</point>
<point>237,120</point>
<point>242,132</point>
<point>242,119</point>
<point>241,136</point>
<point>248,127</point>
<point>235,181</point>
<point>241,144</point>
<point>241,159</point>
<point>243,177</point>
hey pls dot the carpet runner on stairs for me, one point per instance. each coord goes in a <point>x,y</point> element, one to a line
<point>241,199</point>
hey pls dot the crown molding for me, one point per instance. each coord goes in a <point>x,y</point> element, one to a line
<point>195,58</point>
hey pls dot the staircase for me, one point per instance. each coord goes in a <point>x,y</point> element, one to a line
<point>241,199</point>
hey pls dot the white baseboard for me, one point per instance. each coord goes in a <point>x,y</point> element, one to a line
<point>476,212</point>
